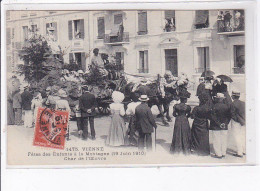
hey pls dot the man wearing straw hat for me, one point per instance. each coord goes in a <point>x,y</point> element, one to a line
<point>144,123</point>
<point>220,118</point>
<point>143,89</point>
<point>238,123</point>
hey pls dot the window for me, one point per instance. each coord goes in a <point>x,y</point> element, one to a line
<point>51,31</point>
<point>101,27</point>
<point>143,61</point>
<point>169,21</point>
<point>33,28</point>
<point>203,59</point>
<point>201,19</point>
<point>76,29</point>
<point>239,59</point>
<point>25,33</point>
<point>142,22</point>
<point>171,61</point>
<point>78,58</point>
<point>119,60</point>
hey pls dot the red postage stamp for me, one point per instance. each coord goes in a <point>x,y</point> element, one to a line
<point>51,128</point>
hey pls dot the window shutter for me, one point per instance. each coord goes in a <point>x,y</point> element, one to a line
<point>142,21</point>
<point>25,33</point>
<point>169,14</point>
<point>8,36</point>
<point>71,58</point>
<point>70,29</point>
<point>82,34</point>
<point>47,26</point>
<point>101,27</point>
<point>146,68</point>
<point>12,33</point>
<point>83,61</point>
<point>207,57</point>
<point>201,16</point>
<point>54,25</point>
<point>118,19</point>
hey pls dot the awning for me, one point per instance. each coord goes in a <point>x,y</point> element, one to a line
<point>201,16</point>
<point>115,30</point>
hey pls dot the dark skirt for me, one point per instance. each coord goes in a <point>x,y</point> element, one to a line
<point>200,137</point>
<point>132,132</point>
<point>181,141</point>
<point>10,113</point>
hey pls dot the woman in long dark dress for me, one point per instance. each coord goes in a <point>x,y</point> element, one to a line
<point>181,141</point>
<point>199,131</point>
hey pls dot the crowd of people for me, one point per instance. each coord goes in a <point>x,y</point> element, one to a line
<point>228,22</point>
<point>217,111</point>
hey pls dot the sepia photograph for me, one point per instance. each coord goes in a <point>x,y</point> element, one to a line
<point>125,87</point>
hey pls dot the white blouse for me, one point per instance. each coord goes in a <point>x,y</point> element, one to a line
<point>131,108</point>
<point>118,107</point>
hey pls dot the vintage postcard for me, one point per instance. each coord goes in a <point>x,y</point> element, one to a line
<point>126,87</point>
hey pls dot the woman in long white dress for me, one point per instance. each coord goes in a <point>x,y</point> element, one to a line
<point>117,135</point>
<point>36,103</point>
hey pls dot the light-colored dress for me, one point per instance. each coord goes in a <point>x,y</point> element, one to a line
<point>62,105</point>
<point>36,103</point>
<point>117,131</point>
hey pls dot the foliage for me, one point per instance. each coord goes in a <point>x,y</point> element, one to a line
<point>35,53</point>
<point>72,67</point>
<point>95,77</point>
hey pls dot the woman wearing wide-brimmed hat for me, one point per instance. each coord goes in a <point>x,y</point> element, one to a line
<point>181,141</point>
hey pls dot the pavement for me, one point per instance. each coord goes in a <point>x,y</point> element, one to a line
<point>20,140</point>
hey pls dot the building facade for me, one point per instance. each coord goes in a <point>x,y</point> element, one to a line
<point>143,41</point>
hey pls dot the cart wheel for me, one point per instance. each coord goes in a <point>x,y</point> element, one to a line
<point>104,110</point>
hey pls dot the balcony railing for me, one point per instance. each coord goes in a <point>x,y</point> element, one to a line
<point>231,23</point>
<point>237,70</point>
<point>201,70</point>
<point>117,39</point>
<point>143,70</point>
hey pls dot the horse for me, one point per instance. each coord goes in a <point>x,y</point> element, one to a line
<point>154,96</point>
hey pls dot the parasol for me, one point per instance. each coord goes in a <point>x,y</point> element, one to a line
<point>225,78</point>
<point>207,73</point>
